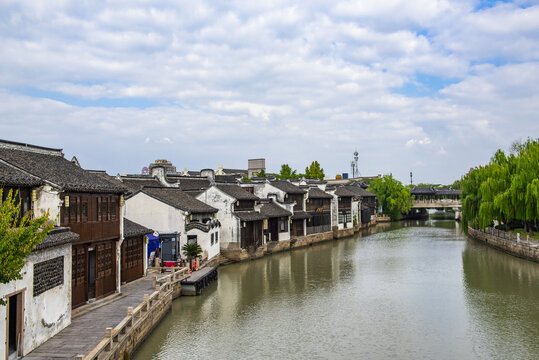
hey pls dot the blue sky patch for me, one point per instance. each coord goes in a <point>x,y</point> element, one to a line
<point>138,103</point>
<point>425,85</point>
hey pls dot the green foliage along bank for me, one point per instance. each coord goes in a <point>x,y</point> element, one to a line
<point>393,197</point>
<point>506,190</point>
<point>18,237</point>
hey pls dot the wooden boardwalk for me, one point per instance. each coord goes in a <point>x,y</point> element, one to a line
<point>87,330</point>
<point>198,281</point>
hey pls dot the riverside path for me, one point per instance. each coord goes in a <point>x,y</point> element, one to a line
<point>88,329</point>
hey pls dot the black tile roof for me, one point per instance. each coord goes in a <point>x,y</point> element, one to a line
<point>103,174</point>
<point>271,210</point>
<point>344,191</point>
<point>420,190</point>
<point>287,187</point>
<point>11,176</point>
<point>316,193</point>
<point>249,215</point>
<point>300,214</point>
<point>132,229</point>
<point>194,183</point>
<point>136,183</point>
<point>447,191</point>
<point>58,170</point>
<point>237,192</point>
<point>179,199</point>
<point>229,179</point>
<point>235,171</point>
<point>359,191</point>
<point>57,237</point>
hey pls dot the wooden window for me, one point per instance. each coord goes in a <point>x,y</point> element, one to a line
<point>216,237</point>
<point>99,208</point>
<point>84,210</point>
<point>65,219</point>
<point>72,209</point>
<point>283,224</point>
<point>112,208</point>
<point>212,239</point>
<point>104,209</point>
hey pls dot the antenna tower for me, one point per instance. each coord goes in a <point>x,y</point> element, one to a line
<point>354,165</point>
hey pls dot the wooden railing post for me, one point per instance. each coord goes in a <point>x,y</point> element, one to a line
<point>154,282</point>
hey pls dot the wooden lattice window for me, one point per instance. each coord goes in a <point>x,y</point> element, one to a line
<point>78,266</point>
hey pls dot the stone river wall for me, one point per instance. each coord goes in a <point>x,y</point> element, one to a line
<point>507,242</point>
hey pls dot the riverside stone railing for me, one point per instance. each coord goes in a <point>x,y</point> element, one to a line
<point>509,236</point>
<point>508,242</point>
<point>132,330</point>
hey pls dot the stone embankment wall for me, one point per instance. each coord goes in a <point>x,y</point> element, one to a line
<point>507,242</point>
<point>230,254</point>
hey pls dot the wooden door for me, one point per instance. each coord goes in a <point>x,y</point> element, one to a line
<point>132,259</point>
<point>15,325</point>
<point>273,226</point>
<point>297,227</point>
<point>106,268</point>
<point>79,277</point>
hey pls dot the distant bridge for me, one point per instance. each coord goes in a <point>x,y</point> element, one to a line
<point>437,204</point>
<point>436,198</point>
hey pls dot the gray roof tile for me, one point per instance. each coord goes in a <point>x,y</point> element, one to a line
<point>287,187</point>
<point>179,199</point>
<point>237,192</point>
<point>273,210</point>
<point>58,170</point>
<point>11,176</point>
<point>132,229</point>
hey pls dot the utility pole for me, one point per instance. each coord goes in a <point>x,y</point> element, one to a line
<point>411,182</point>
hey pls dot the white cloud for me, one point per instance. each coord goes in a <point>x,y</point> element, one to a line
<point>289,82</point>
<point>412,142</point>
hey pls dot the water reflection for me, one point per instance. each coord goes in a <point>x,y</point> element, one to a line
<point>502,293</point>
<point>411,290</point>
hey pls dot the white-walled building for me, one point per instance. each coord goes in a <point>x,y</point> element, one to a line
<point>241,224</point>
<point>39,304</point>
<point>177,217</point>
<point>87,203</point>
<point>288,196</point>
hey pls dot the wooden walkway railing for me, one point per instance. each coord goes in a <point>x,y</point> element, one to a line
<point>116,338</point>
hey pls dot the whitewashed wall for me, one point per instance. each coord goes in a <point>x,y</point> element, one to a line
<point>230,224</point>
<point>204,240</point>
<point>154,214</point>
<point>48,199</point>
<point>49,312</point>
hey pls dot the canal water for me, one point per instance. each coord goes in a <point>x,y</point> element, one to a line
<point>413,290</point>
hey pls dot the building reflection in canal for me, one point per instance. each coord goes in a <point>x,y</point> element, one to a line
<point>411,290</point>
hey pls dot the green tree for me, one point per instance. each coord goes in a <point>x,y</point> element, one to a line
<point>191,251</point>
<point>287,172</point>
<point>314,171</point>
<point>394,197</point>
<point>261,174</point>
<point>18,237</point>
<point>504,190</point>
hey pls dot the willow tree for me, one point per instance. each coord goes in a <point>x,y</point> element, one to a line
<point>523,193</point>
<point>504,190</point>
<point>471,197</point>
<point>496,179</point>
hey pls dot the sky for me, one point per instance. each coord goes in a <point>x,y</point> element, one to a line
<point>432,87</point>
